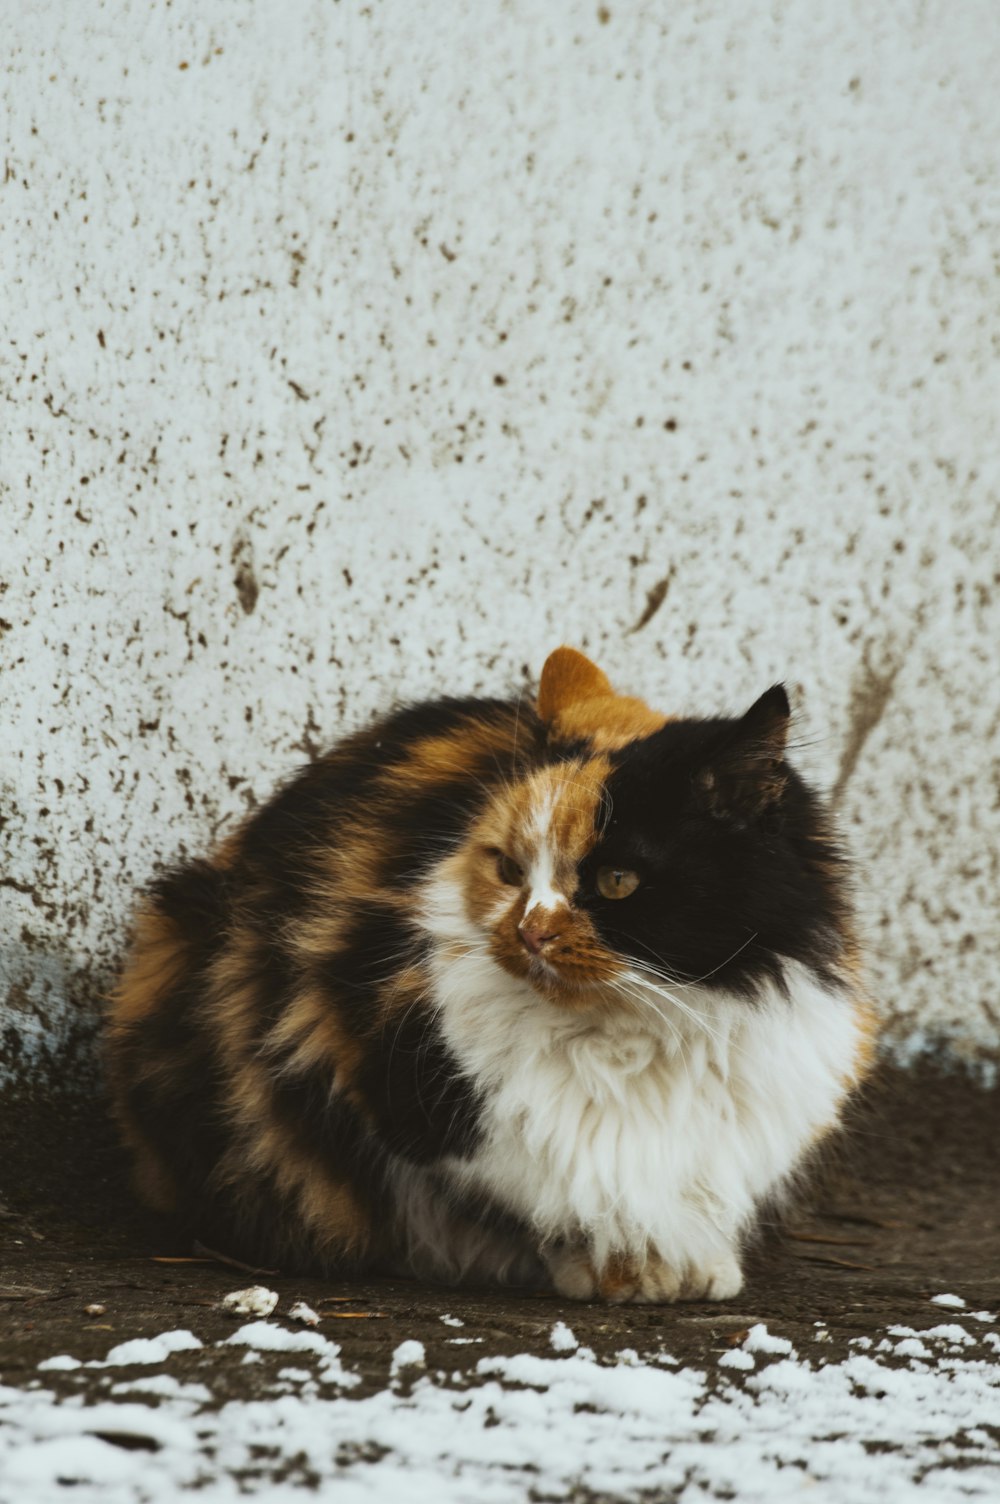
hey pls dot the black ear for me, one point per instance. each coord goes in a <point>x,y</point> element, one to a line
<point>744,774</point>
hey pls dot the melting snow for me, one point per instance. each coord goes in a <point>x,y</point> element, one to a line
<point>149,1349</point>
<point>760,1340</point>
<point>256,1300</point>
<point>409,1354</point>
<point>737,1359</point>
<point>562,1338</point>
<point>768,1427</point>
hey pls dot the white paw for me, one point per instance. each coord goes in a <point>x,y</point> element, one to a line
<point>657,1283</point>
<point>720,1280</point>
<point>653,1281</point>
<point>572,1273</point>
<point>622,1280</point>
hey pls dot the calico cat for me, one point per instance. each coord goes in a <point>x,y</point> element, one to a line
<point>499,991</point>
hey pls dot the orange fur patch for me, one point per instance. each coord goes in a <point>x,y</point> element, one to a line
<point>865,1012</point>
<point>866,1019</point>
<point>327,1204</point>
<point>619,1278</point>
<point>156,963</point>
<point>558,809</point>
<point>576,700</point>
<point>448,758</point>
<point>312,1037</point>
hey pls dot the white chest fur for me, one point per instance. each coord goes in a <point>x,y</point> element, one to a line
<point>654,1126</point>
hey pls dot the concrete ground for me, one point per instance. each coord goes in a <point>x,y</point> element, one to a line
<point>907,1207</point>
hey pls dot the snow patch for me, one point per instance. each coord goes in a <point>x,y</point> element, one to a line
<point>255,1300</point>
<point>562,1338</point>
<point>911,1347</point>
<point>760,1340</point>
<point>737,1358</point>
<point>556,1425</point>
<point>953,1333</point>
<point>149,1349</point>
<point>164,1386</point>
<point>408,1354</point>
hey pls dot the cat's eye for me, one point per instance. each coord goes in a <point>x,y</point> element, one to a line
<point>615,882</point>
<point>509,871</point>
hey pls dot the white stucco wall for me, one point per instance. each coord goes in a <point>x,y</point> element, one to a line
<point>353,352</point>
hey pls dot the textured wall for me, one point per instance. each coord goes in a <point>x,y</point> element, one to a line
<point>354,352</point>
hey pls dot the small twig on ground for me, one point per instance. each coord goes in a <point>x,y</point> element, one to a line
<point>166,1258</point>
<point>352,1315</point>
<point>865,1221</point>
<point>818,1237</point>
<point>808,1258</point>
<point>231,1263</point>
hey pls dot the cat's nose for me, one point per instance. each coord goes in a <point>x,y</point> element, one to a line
<point>536,937</point>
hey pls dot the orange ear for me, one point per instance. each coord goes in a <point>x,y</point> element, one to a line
<point>567,678</point>
<point>576,702</point>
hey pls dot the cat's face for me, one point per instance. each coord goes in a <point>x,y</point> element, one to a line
<point>522,876</point>
<point>690,852</point>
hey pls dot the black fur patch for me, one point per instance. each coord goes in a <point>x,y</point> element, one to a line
<point>307,1102</point>
<point>195,897</point>
<point>180,1113</point>
<point>424,1105</point>
<point>426,826</point>
<point>725,894</point>
<point>381,941</point>
<point>284,841</point>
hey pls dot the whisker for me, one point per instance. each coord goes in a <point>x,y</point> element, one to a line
<point>694,981</point>
<point>699,1018</point>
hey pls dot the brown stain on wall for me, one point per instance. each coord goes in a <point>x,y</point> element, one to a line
<point>870,696</point>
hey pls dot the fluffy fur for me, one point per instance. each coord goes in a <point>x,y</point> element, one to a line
<point>496,991</point>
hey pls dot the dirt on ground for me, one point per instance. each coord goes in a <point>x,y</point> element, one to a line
<point>905,1207</point>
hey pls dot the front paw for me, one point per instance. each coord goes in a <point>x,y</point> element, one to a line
<point>572,1273</point>
<point>720,1280</point>
<point>653,1280</point>
<point>658,1282</point>
<point>621,1279</point>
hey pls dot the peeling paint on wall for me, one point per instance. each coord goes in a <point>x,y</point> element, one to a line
<point>357,353</point>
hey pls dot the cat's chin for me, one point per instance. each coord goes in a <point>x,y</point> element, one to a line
<point>555,986</point>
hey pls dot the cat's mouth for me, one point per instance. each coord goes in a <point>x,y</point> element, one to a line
<point>557,979</point>
<point>557,952</point>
